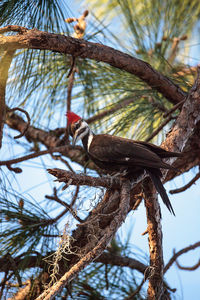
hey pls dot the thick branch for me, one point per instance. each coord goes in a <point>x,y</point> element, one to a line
<point>34,261</point>
<point>80,179</point>
<point>156,288</point>
<point>35,39</point>
<point>50,139</point>
<point>122,261</point>
<point>184,135</point>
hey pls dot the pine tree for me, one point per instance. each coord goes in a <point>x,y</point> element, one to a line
<point>124,66</point>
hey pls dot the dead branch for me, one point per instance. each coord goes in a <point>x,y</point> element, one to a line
<point>185,187</point>
<point>30,156</point>
<point>27,124</point>
<point>36,39</point>
<point>68,206</point>
<point>80,179</point>
<point>180,252</point>
<point>193,268</point>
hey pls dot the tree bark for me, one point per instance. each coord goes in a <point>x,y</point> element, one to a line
<point>154,228</point>
<point>35,39</point>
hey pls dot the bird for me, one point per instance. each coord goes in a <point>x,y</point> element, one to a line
<point>122,156</point>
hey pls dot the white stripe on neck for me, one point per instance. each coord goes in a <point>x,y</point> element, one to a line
<point>90,138</point>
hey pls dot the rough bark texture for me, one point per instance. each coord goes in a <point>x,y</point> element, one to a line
<point>184,135</point>
<point>155,276</point>
<point>35,39</point>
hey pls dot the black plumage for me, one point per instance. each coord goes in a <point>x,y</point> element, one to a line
<point>124,156</point>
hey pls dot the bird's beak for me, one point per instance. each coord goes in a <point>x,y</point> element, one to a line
<point>74,140</point>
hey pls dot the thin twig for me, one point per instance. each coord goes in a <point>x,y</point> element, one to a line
<point>59,157</point>
<point>68,206</point>
<point>169,112</point>
<point>193,268</point>
<point>27,124</point>
<point>15,269</point>
<point>3,283</point>
<point>131,296</point>
<point>155,132</point>
<point>79,29</point>
<point>75,196</point>
<point>108,111</point>
<point>73,59</point>
<point>30,156</point>
<point>176,255</point>
<point>185,187</point>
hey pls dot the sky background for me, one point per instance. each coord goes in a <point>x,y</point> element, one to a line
<point>178,232</point>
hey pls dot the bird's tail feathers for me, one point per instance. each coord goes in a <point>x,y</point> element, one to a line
<point>161,190</point>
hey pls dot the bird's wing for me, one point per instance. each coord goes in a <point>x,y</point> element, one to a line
<point>107,148</point>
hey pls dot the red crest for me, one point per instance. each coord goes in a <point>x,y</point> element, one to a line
<point>72,117</point>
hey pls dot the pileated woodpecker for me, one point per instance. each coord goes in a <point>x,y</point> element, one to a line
<point>123,156</point>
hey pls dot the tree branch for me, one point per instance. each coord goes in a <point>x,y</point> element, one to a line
<point>101,244</point>
<point>185,187</point>
<point>184,135</point>
<point>80,179</point>
<point>155,132</point>
<point>122,261</point>
<point>29,156</point>
<point>193,268</point>
<point>187,124</point>
<point>28,120</point>
<point>180,252</point>
<point>50,140</point>
<point>68,206</point>
<point>35,39</point>
<point>156,287</point>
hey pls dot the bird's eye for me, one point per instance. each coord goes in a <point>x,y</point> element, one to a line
<point>76,126</point>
